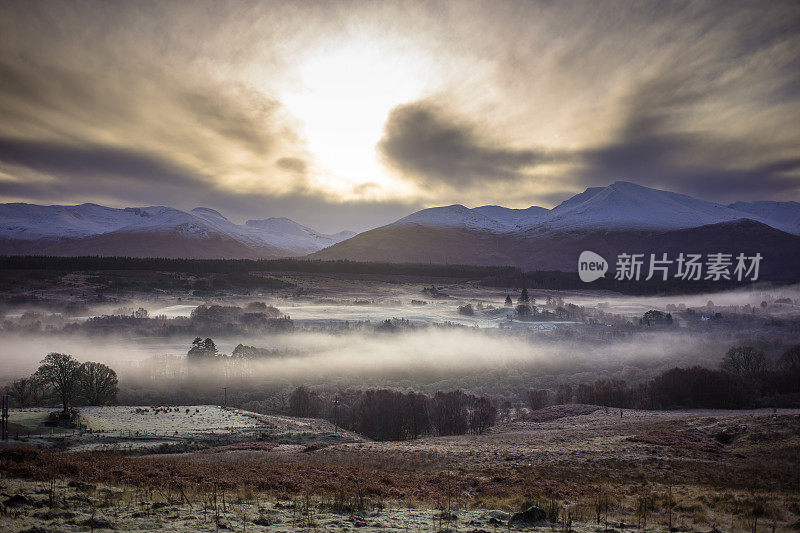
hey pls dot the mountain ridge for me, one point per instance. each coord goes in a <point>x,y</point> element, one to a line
<point>622,217</point>
<point>621,205</point>
<point>560,250</point>
<point>64,229</point>
<point>534,237</point>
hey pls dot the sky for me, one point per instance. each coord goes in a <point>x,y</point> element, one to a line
<point>349,115</point>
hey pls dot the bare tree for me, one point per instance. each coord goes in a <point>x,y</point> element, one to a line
<point>449,412</point>
<point>62,373</point>
<point>416,406</point>
<point>536,399</point>
<point>98,383</point>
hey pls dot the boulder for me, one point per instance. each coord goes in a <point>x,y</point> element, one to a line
<point>530,517</point>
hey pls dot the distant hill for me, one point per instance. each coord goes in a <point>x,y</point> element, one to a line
<point>158,231</point>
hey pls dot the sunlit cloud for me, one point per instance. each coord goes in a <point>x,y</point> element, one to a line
<point>344,95</point>
<point>334,113</point>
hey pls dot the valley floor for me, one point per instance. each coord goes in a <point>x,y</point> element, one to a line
<point>695,470</point>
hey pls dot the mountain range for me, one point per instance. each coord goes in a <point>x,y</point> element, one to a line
<point>90,229</point>
<point>622,217</point>
<point>621,205</point>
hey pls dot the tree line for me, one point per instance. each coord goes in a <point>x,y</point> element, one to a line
<point>490,276</point>
<point>386,414</point>
<point>60,377</point>
<point>14,262</point>
<point>744,379</point>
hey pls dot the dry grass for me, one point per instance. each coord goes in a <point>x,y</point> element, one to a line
<point>687,440</point>
<point>654,472</point>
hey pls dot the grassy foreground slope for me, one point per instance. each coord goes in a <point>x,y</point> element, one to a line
<point>698,471</point>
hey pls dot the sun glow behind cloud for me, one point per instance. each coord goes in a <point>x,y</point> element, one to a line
<point>343,96</point>
<point>277,108</point>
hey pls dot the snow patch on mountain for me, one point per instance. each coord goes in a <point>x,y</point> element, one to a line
<point>32,222</point>
<point>512,218</point>
<point>286,233</point>
<point>455,216</point>
<point>207,213</point>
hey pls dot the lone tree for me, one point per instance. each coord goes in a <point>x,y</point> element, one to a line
<point>509,303</point>
<point>536,399</point>
<point>98,383</point>
<point>654,317</point>
<point>62,373</point>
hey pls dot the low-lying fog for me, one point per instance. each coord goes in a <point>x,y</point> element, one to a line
<point>380,305</point>
<point>425,354</point>
<point>429,353</point>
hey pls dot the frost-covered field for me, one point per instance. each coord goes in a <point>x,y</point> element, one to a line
<point>184,420</point>
<point>80,507</point>
<point>126,428</point>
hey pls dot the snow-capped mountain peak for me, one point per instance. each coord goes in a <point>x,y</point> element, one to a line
<point>630,206</point>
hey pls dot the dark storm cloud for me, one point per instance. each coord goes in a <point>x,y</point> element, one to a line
<point>424,142</point>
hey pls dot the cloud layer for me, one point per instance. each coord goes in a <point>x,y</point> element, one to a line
<point>518,104</point>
